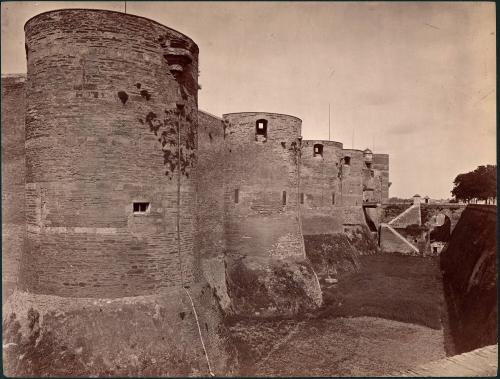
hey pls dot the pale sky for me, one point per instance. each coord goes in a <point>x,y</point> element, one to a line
<point>413,80</point>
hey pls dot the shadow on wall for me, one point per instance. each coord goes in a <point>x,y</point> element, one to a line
<point>469,270</point>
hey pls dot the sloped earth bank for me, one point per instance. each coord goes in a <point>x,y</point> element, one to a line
<point>401,288</point>
<point>471,286</point>
<point>268,288</point>
<point>141,336</point>
<point>386,316</point>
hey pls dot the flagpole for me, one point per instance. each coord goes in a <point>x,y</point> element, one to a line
<point>329,139</point>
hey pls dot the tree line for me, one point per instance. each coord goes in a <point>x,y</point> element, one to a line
<point>480,184</point>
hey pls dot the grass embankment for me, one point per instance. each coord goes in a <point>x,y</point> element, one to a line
<point>395,287</point>
<point>401,288</point>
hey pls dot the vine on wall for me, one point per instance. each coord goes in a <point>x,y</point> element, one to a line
<point>166,130</point>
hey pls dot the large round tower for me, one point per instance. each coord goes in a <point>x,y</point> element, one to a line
<point>320,194</point>
<point>381,167</point>
<point>262,184</point>
<point>263,236</point>
<point>352,177</point>
<point>110,151</point>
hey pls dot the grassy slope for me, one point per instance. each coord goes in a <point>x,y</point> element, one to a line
<point>407,289</point>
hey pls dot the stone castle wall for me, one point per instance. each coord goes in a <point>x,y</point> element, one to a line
<point>102,120</point>
<point>352,178</point>
<point>112,120</point>
<point>417,225</point>
<point>322,212</point>
<point>13,176</point>
<point>381,177</point>
<point>211,186</point>
<point>336,182</point>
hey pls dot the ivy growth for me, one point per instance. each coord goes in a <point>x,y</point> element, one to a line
<point>166,129</point>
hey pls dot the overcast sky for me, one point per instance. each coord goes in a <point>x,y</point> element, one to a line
<point>414,80</point>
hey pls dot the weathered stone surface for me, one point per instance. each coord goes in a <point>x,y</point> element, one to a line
<point>332,255</point>
<point>102,121</point>
<point>111,119</point>
<point>267,271</point>
<point>381,174</point>
<point>13,176</point>
<point>153,335</point>
<point>335,182</point>
<point>430,211</point>
<point>320,187</point>
<point>264,219</point>
<point>248,215</point>
<point>263,287</point>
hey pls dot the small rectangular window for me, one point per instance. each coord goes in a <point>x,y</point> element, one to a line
<point>236,196</point>
<point>302,198</point>
<point>141,207</point>
<point>333,198</point>
<point>284,197</point>
<point>347,161</point>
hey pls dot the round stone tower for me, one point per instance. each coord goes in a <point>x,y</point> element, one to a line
<point>111,150</point>
<point>320,186</point>
<point>111,137</point>
<point>262,184</point>
<point>352,177</point>
<point>265,252</point>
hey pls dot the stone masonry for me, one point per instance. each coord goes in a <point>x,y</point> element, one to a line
<point>118,190</point>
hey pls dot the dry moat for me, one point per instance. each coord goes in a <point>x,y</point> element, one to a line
<point>388,316</point>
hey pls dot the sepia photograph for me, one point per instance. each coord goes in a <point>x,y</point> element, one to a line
<point>249,189</point>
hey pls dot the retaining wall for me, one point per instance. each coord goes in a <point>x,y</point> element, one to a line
<point>469,265</point>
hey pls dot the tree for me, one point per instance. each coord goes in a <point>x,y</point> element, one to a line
<point>480,184</point>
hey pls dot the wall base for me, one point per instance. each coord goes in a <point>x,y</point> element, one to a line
<point>136,336</point>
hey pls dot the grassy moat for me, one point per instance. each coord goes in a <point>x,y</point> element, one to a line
<point>388,316</point>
